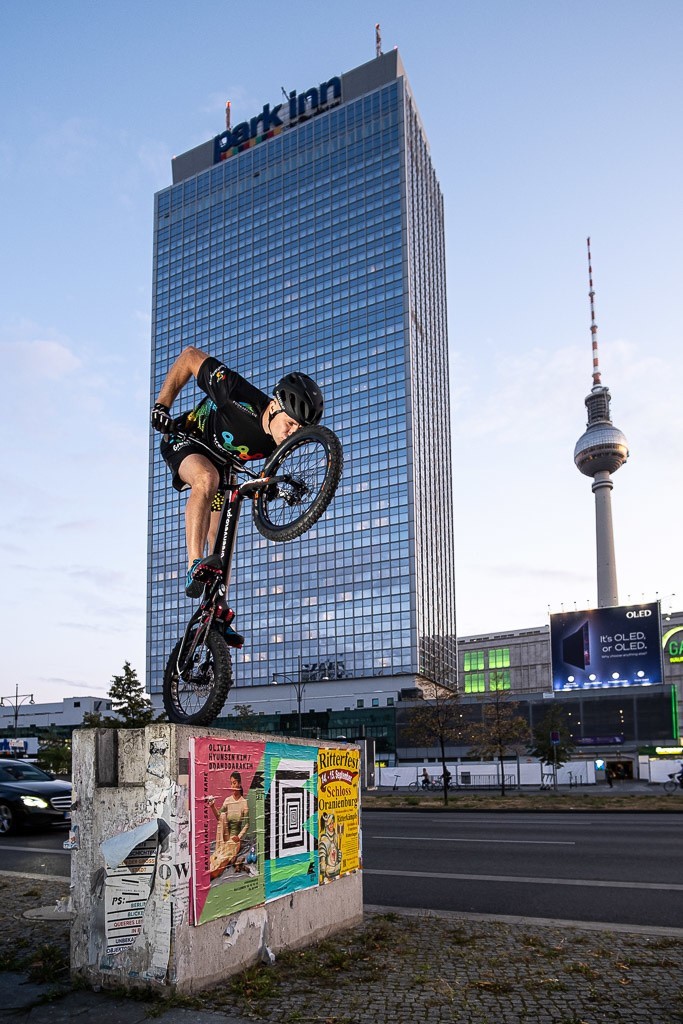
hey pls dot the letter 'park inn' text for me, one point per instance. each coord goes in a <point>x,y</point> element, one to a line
<point>272,121</point>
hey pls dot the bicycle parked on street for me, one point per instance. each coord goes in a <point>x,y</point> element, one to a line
<point>296,486</point>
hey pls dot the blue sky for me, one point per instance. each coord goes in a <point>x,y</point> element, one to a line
<point>548,121</point>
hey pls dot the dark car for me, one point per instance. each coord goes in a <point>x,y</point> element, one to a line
<point>28,796</point>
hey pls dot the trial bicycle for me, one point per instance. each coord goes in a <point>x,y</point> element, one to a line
<point>296,485</point>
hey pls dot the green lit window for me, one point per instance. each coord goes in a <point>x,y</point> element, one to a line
<point>500,680</point>
<point>475,683</point>
<point>499,657</point>
<point>474,661</point>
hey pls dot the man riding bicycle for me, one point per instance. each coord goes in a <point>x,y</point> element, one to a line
<point>235,418</point>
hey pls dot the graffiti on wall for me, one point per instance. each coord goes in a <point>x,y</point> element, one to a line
<point>268,819</point>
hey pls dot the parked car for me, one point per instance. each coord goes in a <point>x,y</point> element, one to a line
<point>29,796</point>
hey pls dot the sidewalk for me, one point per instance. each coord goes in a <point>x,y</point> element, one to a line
<point>397,968</point>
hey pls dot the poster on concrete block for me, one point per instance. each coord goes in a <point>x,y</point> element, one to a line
<point>291,818</point>
<point>227,823</point>
<point>126,891</point>
<point>338,810</point>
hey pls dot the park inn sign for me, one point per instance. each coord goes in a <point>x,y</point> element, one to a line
<point>271,121</point>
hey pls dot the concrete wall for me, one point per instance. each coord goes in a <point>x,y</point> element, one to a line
<point>131,793</point>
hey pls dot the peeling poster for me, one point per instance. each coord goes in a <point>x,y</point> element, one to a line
<point>130,861</point>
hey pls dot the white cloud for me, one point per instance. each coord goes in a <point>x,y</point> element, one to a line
<point>40,358</point>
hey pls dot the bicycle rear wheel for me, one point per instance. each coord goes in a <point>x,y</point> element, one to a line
<point>309,467</point>
<point>197,678</point>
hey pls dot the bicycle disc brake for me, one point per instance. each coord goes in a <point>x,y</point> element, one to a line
<point>290,490</point>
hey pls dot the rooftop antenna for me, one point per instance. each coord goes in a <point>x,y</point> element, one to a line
<point>594,326</point>
<point>284,93</point>
<point>378,41</point>
<point>227,115</point>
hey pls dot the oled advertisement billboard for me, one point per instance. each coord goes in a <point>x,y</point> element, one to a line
<point>605,647</point>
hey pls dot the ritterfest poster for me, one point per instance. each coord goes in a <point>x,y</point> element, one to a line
<point>338,810</point>
<point>227,815</point>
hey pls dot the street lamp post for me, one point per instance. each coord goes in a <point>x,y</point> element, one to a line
<point>299,687</point>
<point>15,702</point>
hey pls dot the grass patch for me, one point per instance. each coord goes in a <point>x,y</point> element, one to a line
<point>48,963</point>
<point>586,799</point>
<point>254,985</point>
<point>584,969</point>
<point>459,936</point>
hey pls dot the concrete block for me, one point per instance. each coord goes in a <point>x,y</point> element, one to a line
<point>144,841</point>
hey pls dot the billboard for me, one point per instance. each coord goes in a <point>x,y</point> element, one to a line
<point>605,647</point>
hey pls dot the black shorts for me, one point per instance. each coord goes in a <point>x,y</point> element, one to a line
<point>174,450</point>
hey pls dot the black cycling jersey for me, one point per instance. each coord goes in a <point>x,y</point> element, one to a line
<point>229,419</point>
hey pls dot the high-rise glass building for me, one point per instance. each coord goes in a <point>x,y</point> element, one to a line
<point>311,237</point>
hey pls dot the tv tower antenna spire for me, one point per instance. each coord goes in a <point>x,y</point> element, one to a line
<point>594,326</point>
<point>599,452</point>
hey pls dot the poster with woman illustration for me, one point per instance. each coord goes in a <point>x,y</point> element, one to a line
<point>226,799</point>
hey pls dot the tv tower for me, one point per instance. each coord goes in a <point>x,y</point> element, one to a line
<point>601,451</point>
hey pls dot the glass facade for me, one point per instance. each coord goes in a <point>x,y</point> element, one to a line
<point>320,249</point>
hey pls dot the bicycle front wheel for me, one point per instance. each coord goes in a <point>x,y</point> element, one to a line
<point>197,677</point>
<point>308,466</point>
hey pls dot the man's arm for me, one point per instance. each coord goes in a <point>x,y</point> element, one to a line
<point>186,365</point>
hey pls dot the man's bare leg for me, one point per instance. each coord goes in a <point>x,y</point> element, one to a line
<point>203,479</point>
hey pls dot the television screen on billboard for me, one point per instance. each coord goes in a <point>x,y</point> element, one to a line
<point>605,647</point>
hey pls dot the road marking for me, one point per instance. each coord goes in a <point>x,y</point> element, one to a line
<point>457,839</point>
<point>588,882</point>
<point>34,849</point>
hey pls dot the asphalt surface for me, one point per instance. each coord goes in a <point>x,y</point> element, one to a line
<point>616,869</point>
<point>399,967</point>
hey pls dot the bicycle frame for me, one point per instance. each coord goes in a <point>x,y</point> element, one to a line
<point>214,605</point>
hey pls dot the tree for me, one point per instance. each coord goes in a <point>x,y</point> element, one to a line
<point>436,721</point>
<point>542,747</point>
<point>501,730</point>
<point>129,700</point>
<point>247,718</point>
<point>55,756</point>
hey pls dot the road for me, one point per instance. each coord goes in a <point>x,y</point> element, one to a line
<point>36,853</point>
<point>616,868</point>
<point>613,868</point>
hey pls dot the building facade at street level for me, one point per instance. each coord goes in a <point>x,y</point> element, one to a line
<point>57,714</point>
<point>311,237</point>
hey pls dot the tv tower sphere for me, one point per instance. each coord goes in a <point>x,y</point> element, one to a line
<point>603,447</point>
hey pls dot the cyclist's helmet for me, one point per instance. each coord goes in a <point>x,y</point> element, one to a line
<point>301,398</point>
